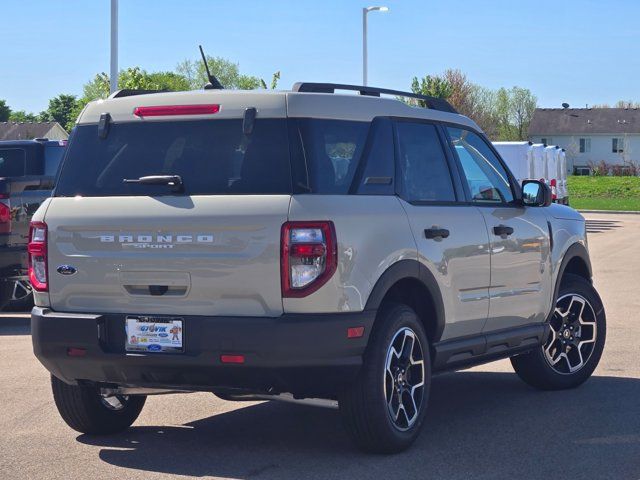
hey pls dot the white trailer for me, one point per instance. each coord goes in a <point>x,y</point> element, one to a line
<point>538,167</point>
<point>551,169</point>
<point>538,162</point>
<point>518,157</point>
<point>564,190</point>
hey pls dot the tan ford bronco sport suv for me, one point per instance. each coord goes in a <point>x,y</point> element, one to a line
<point>299,244</point>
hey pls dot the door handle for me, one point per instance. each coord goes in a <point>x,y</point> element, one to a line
<point>502,230</point>
<point>434,232</point>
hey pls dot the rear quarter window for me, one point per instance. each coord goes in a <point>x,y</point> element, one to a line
<point>212,157</point>
<point>332,150</point>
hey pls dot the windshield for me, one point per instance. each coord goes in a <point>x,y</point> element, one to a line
<point>212,157</point>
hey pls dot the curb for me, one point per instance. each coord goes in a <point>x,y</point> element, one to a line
<point>616,212</point>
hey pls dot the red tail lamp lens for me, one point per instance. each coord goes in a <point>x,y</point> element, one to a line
<point>308,257</point>
<point>37,252</point>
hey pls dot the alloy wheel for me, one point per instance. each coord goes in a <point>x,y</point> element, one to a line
<point>113,402</point>
<point>404,378</point>
<point>572,335</point>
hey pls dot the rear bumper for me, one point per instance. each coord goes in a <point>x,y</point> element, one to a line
<point>308,355</point>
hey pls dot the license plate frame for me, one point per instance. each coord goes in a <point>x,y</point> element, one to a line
<point>154,334</point>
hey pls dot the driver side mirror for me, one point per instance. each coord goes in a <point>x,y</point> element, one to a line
<point>536,194</point>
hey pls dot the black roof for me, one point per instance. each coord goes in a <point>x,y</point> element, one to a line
<point>576,121</point>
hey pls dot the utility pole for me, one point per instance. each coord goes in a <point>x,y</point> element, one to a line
<point>113,78</point>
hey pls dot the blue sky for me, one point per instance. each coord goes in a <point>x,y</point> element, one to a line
<point>578,51</point>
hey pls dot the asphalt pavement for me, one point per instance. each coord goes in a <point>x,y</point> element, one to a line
<point>483,423</point>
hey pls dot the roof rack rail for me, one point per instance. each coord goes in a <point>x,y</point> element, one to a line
<point>130,92</point>
<point>431,102</point>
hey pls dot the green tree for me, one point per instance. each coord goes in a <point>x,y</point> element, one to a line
<point>274,81</point>
<point>5,111</point>
<point>61,110</point>
<point>96,88</point>
<point>227,73</point>
<point>171,81</point>
<point>432,86</point>
<point>134,78</point>
<point>521,107</point>
<point>503,116</point>
<point>484,102</point>
<point>22,116</point>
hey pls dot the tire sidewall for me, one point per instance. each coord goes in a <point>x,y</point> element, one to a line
<point>573,284</point>
<point>393,319</point>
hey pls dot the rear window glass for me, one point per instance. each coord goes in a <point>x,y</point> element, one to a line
<point>332,149</point>
<point>211,156</point>
<point>12,162</point>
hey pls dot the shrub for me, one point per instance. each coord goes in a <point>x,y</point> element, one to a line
<point>599,169</point>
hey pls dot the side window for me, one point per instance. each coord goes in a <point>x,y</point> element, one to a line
<point>423,165</point>
<point>12,162</point>
<point>332,149</point>
<point>486,177</point>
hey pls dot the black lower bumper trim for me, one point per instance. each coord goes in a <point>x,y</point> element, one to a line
<point>304,354</point>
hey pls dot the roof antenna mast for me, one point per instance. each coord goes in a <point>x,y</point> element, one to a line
<point>213,81</point>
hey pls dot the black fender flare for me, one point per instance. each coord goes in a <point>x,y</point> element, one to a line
<point>415,270</point>
<point>575,250</point>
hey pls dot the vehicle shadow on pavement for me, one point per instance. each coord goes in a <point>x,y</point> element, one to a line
<point>15,326</point>
<point>480,425</point>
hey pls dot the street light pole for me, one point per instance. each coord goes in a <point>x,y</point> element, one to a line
<point>364,46</point>
<point>366,10</point>
<point>113,78</point>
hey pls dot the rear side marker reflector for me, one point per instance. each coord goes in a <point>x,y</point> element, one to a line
<point>169,110</point>
<point>355,332</point>
<point>232,358</point>
<point>76,352</point>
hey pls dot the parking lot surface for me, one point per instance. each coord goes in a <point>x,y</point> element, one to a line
<point>482,423</point>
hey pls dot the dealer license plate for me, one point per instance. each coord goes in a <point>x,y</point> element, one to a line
<point>154,334</point>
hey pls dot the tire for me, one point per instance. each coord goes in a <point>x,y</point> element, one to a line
<point>365,407</point>
<point>84,409</point>
<point>580,322</point>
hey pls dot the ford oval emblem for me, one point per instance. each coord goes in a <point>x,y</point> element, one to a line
<point>66,270</point>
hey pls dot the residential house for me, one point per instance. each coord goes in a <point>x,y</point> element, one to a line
<point>590,135</point>
<point>31,130</point>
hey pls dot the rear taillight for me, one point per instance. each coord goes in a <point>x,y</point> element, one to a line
<point>5,217</point>
<point>309,257</point>
<point>37,250</point>
<point>554,189</point>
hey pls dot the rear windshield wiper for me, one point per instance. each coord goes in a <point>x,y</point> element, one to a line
<point>174,181</point>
